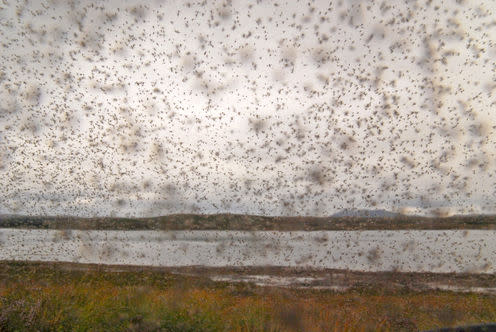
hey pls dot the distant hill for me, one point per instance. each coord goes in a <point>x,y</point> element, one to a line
<point>364,213</point>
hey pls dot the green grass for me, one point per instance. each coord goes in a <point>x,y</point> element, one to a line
<point>35,296</point>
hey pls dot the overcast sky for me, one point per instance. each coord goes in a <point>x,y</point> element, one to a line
<point>130,108</point>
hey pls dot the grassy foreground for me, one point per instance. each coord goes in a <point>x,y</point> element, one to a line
<point>36,296</point>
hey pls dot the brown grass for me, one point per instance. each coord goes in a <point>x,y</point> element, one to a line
<point>38,297</point>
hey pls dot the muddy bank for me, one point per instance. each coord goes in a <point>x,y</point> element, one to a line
<point>304,278</point>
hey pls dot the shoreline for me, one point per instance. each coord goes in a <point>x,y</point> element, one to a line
<point>239,222</point>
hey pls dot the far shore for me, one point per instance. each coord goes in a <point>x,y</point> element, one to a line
<point>251,223</point>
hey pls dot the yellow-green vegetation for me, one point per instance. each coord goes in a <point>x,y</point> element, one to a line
<point>35,296</point>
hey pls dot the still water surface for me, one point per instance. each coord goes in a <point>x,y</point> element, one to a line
<point>407,251</point>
